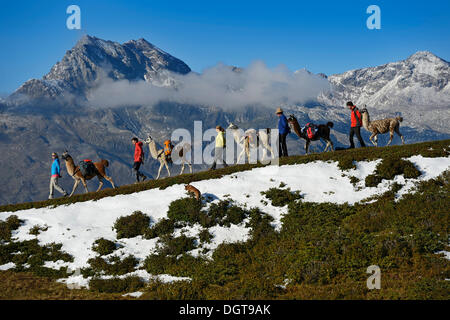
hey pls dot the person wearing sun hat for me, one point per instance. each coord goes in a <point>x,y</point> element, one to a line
<point>283,131</point>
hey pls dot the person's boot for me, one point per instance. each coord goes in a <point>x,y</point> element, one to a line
<point>143,177</point>
<point>213,167</point>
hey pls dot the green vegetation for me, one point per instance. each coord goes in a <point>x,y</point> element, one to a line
<point>163,227</point>
<point>27,286</point>
<point>103,246</point>
<point>36,230</point>
<point>6,227</point>
<point>322,250</point>
<point>225,213</point>
<point>174,246</point>
<point>132,226</point>
<point>116,285</point>
<point>186,210</point>
<point>346,163</point>
<point>281,197</point>
<point>29,256</point>
<point>388,168</point>
<point>372,180</point>
<point>205,236</point>
<point>110,266</point>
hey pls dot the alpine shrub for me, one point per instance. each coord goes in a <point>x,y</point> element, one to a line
<point>187,210</point>
<point>116,285</point>
<point>132,225</point>
<point>162,227</point>
<point>36,230</point>
<point>103,246</point>
<point>175,246</point>
<point>158,263</point>
<point>6,227</point>
<point>205,236</point>
<point>372,180</point>
<point>281,197</point>
<point>111,266</point>
<point>390,167</point>
<point>225,213</point>
<point>346,163</point>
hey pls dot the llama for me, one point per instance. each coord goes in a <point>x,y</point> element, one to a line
<point>323,132</point>
<point>159,155</point>
<point>250,139</point>
<point>74,171</point>
<point>381,126</point>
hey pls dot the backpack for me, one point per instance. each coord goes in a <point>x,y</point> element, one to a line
<point>168,147</point>
<point>87,167</point>
<point>310,130</point>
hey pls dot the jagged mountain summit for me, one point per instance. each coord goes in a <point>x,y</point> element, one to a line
<point>92,60</point>
<point>421,80</point>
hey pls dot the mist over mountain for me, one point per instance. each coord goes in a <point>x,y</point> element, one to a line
<point>102,93</point>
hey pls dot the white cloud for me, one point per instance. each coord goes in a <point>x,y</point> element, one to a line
<point>217,86</point>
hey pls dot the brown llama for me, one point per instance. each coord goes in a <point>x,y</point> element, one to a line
<point>75,173</point>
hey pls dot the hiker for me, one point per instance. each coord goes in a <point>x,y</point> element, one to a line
<point>356,124</point>
<point>138,159</point>
<point>56,174</point>
<point>220,146</point>
<point>283,131</point>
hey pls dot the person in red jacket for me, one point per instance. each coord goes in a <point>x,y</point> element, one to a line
<point>355,127</point>
<point>138,159</point>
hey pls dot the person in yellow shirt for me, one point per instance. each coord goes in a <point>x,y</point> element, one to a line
<point>220,146</point>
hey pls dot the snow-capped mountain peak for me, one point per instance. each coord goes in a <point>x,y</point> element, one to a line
<point>93,59</point>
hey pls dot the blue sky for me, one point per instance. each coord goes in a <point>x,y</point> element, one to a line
<point>322,36</point>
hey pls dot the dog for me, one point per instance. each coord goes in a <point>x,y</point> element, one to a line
<point>191,189</point>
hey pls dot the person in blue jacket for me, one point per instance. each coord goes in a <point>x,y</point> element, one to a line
<point>283,131</point>
<point>56,174</point>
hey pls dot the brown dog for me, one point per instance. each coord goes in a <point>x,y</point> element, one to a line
<point>191,189</point>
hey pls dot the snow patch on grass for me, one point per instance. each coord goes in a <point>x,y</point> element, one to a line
<point>77,226</point>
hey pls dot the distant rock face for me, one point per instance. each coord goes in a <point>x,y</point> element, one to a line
<point>422,80</point>
<point>93,59</point>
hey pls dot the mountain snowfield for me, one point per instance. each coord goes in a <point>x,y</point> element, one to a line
<point>78,225</point>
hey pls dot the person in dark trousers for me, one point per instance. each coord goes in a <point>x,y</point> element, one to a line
<point>138,159</point>
<point>355,127</point>
<point>56,174</point>
<point>283,131</point>
<point>219,148</point>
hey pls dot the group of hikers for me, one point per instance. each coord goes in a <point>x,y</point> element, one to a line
<point>284,129</point>
<point>220,144</point>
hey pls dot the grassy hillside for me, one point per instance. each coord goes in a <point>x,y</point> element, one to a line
<point>345,157</point>
<point>322,250</point>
